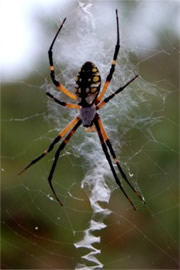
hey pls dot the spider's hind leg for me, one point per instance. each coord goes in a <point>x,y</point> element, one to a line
<point>105,149</point>
<point>109,145</point>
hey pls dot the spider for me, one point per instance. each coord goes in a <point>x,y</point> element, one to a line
<point>89,100</point>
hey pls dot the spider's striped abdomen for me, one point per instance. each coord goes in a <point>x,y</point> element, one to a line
<point>88,83</point>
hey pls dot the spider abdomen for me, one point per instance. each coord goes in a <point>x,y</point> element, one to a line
<point>87,115</point>
<point>88,82</point>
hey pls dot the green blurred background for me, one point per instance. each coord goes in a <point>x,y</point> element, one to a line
<point>36,233</point>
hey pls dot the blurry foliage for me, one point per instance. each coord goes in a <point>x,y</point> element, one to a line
<point>25,134</point>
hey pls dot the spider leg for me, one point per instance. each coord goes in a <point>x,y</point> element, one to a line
<point>109,145</point>
<point>112,69</point>
<point>105,149</point>
<point>62,103</point>
<point>107,99</point>
<point>60,148</point>
<point>52,70</point>
<point>51,146</point>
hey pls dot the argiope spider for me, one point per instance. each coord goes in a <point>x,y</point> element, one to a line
<point>89,101</point>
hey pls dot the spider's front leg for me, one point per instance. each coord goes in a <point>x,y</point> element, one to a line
<point>52,70</point>
<point>112,69</point>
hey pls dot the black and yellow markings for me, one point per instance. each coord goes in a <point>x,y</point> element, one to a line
<point>66,91</point>
<point>112,69</point>
<point>96,78</point>
<point>73,106</point>
<point>60,148</point>
<point>103,91</point>
<point>51,146</point>
<point>51,68</point>
<point>77,77</point>
<point>102,136</point>
<point>90,129</point>
<point>69,136</point>
<point>106,139</point>
<point>107,99</point>
<point>60,86</point>
<point>116,161</point>
<point>62,103</point>
<point>93,90</point>
<point>100,105</point>
<point>105,136</point>
<point>87,80</point>
<point>94,70</point>
<point>77,90</point>
<point>68,127</point>
<point>95,74</point>
<point>96,84</point>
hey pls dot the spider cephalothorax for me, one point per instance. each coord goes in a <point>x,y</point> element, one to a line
<point>89,100</point>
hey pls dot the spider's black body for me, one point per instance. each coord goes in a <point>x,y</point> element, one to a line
<point>88,83</point>
<point>89,100</point>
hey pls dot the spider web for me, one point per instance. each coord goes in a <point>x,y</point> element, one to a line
<point>97,227</point>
